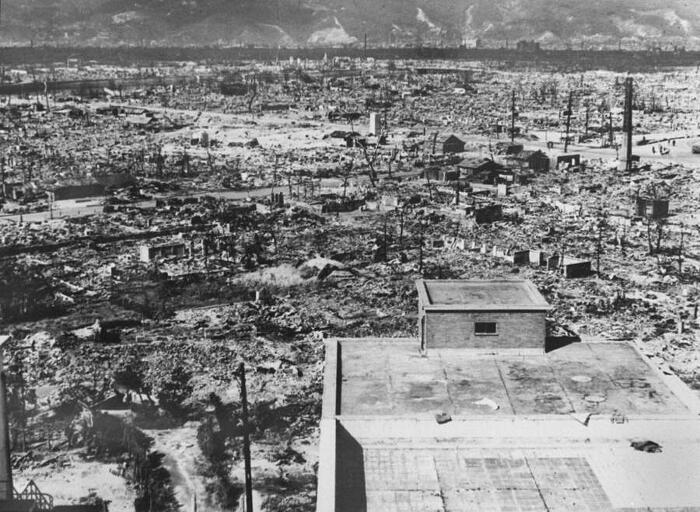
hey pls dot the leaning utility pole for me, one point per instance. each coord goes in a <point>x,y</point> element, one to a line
<point>568,122</point>
<point>246,442</point>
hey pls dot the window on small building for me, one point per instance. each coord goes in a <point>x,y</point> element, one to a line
<point>485,328</point>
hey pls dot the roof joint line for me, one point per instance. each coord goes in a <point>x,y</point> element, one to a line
<point>442,492</point>
<point>503,381</point>
<point>447,387</point>
<point>537,485</point>
<point>558,379</point>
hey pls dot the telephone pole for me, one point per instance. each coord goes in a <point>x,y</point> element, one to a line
<point>512,118</point>
<point>6,488</point>
<point>568,121</point>
<point>627,125</point>
<point>246,441</point>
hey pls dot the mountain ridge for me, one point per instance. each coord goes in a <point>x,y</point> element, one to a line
<point>552,23</point>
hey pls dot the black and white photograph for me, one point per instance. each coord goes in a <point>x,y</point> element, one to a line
<point>349,255</point>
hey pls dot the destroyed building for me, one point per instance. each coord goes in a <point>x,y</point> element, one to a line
<point>452,144</point>
<point>375,124</point>
<point>568,161</point>
<point>78,191</point>
<point>651,207</point>
<point>248,225</point>
<point>479,169</point>
<point>535,161</point>
<point>152,252</point>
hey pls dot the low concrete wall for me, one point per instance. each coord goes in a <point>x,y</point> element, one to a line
<point>326,484</point>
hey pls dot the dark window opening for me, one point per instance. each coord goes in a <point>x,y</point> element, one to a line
<point>485,328</point>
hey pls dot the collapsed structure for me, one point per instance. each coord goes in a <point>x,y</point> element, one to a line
<point>501,425</point>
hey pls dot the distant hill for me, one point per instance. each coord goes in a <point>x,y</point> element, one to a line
<point>552,23</point>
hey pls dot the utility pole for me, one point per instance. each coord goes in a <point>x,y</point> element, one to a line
<point>364,54</point>
<point>6,487</point>
<point>568,121</point>
<point>627,126</point>
<point>246,441</point>
<point>274,176</point>
<point>611,133</point>
<point>420,247</point>
<point>2,69</point>
<point>680,251</point>
<point>46,96</point>
<point>512,118</point>
<point>599,242</point>
<point>386,250</point>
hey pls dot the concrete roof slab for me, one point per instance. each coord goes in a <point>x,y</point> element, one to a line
<point>463,294</point>
<point>603,378</point>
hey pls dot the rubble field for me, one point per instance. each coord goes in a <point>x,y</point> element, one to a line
<point>153,239</point>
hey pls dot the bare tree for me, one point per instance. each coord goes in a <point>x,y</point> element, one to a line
<point>274,175</point>
<point>210,162</point>
<point>392,159</point>
<point>421,241</point>
<point>347,172</point>
<point>402,220</point>
<point>649,236</point>
<point>371,158</point>
<point>253,91</point>
<point>660,223</point>
<point>430,185</point>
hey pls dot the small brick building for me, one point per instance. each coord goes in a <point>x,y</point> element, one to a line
<point>481,314</point>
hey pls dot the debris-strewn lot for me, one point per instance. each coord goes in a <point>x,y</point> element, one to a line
<point>152,240</point>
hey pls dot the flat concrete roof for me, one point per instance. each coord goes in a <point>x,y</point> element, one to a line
<point>394,379</point>
<point>480,295</point>
<point>446,476</point>
<point>528,431</point>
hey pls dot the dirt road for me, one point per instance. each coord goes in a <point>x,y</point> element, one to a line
<point>181,453</point>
